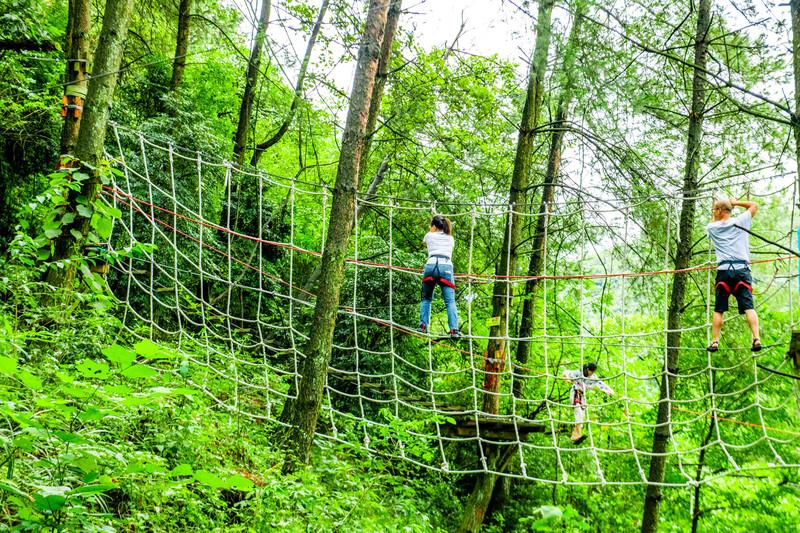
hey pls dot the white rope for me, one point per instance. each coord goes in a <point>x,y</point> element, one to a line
<point>254,347</point>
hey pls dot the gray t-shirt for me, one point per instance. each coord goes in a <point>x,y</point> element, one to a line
<point>731,243</point>
<point>439,243</point>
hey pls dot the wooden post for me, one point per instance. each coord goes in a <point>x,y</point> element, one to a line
<point>794,349</point>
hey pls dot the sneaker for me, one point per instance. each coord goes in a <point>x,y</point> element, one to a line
<point>455,334</point>
<point>423,328</point>
<point>756,345</point>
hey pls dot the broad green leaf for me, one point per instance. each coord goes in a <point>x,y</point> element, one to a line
<point>29,380</point>
<point>122,356</point>
<point>149,349</point>
<point>93,489</point>
<point>51,498</point>
<point>52,233</point>
<point>72,438</point>
<point>92,369</point>
<point>139,371</point>
<point>84,211</point>
<point>207,478</point>
<point>239,482</point>
<point>8,366</point>
<point>182,470</point>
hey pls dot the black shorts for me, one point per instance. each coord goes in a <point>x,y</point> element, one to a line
<point>735,282</point>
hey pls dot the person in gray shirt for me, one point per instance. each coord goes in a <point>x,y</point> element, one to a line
<point>732,245</point>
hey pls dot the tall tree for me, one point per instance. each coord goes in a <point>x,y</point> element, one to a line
<point>372,119</point>
<point>298,90</point>
<point>250,83</point>
<point>181,45</point>
<point>91,138</point>
<point>303,411</point>
<point>682,256</point>
<point>77,56</point>
<point>496,350</point>
<point>795,118</point>
<point>559,128</point>
<point>496,457</point>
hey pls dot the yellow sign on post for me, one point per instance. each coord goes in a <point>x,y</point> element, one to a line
<point>494,321</point>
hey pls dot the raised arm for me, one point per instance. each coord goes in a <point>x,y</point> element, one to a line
<point>750,206</point>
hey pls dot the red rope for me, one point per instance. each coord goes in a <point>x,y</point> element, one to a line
<point>477,278</point>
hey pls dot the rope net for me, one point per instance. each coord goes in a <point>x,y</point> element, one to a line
<point>216,262</point>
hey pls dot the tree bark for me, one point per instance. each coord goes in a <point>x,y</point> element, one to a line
<point>497,460</point>
<point>181,45</point>
<point>384,62</point>
<point>360,210</point>
<point>701,462</point>
<point>298,90</point>
<point>91,138</point>
<point>548,192</point>
<point>494,360</point>
<point>77,57</point>
<point>683,254</point>
<point>794,6</point>
<point>302,412</point>
<point>251,80</point>
<point>496,349</point>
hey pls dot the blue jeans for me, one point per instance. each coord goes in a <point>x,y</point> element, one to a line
<point>443,275</point>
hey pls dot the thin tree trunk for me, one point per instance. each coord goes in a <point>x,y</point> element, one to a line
<point>497,460</point>
<point>77,56</point>
<point>374,108</point>
<point>181,45</point>
<point>548,192</point>
<point>701,462</point>
<point>683,254</point>
<point>91,138</point>
<point>298,90</point>
<point>384,63</point>
<point>251,80</point>
<point>478,501</point>
<point>302,412</point>
<point>360,210</point>
<point>795,11</point>
<point>496,350</point>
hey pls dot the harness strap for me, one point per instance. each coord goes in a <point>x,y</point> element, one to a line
<point>724,286</point>
<point>743,284</point>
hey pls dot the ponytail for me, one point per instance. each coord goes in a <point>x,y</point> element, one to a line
<point>441,223</point>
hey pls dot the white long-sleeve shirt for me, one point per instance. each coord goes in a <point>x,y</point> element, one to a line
<point>581,383</point>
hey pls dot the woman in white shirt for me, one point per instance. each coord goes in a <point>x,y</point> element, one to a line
<point>439,270</point>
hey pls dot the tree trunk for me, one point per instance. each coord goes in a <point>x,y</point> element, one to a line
<point>77,57</point>
<point>181,45</point>
<point>497,460</point>
<point>683,254</point>
<point>701,462</point>
<point>494,360</point>
<point>251,80</point>
<point>302,412</point>
<point>360,210</point>
<point>496,350</point>
<point>372,119</point>
<point>384,62</point>
<point>795,11</point>
<point>298,90</point>
<point>91,138</point>
<point>548,192</point>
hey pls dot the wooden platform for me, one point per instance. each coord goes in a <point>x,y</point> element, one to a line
<point>494,427</point>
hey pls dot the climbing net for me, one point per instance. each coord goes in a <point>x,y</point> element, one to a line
<point>220,262</point>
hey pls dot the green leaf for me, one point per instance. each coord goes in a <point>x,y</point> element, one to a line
<point>103,227</point>
<point>92,369</point>
<point>8,366</point>
<point>77,235</point>
<point>7,486</point>
<point>29,380</point>
<point>182,470</point>
<point>43,254</point>
<point>139,371</point>
<point>147,348</point>
<point>72,438</point>
<point>68,218</point>
<point>120,355</point>
<point>98,488</point>
<point>84,211</point>
<point>207,478</point>
<point>52,233</point>
<point>51,498</point>
<point>239,482</point>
